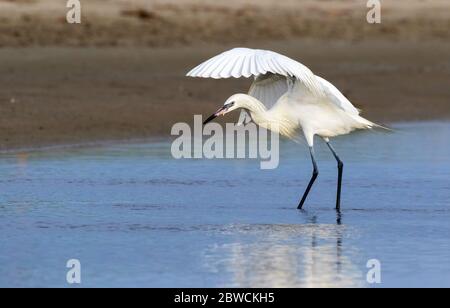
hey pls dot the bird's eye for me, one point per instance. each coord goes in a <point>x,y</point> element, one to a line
<point>229,105</point>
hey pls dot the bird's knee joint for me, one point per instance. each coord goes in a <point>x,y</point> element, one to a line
<point>340,165</point>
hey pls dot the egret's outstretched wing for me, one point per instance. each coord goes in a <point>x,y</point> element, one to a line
<point>267,89</point>
<point>245,62</point>
<point>336,97</point>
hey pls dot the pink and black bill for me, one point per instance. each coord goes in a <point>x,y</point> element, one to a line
<point>222,110</point>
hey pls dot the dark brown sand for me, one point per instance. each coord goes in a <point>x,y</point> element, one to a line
<point>120,74</point>
<point>54,96</point>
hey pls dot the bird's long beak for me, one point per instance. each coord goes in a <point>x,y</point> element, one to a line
<point>222,110</point>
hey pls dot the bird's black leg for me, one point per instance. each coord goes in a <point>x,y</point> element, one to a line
<point>313,178</point>
<point>340,170</point>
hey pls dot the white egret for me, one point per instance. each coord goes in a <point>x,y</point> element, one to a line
<point>287,97</point>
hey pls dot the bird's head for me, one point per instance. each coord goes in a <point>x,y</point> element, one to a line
<point>234,102</point>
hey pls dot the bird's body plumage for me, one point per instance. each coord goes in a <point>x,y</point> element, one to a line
<point>294,98</point>
<point>285,97</point>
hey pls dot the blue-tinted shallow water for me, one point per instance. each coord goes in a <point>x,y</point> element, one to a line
<point>134,216</point>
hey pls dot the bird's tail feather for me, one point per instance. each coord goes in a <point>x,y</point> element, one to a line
<point>372,125</point>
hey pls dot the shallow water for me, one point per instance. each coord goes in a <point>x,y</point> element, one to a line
<point>134,216</point>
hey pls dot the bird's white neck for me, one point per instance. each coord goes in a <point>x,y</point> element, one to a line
<point>256,109</point>
<point>269,119</point>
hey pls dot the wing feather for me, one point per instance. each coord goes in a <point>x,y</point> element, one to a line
<point>272,72</point>
<point>237,70</point>
<point>337,98</point>
<point>246,66</point>
<point>253,66</point>
<point>247,62</point>
<point>229,68</point>
<point>221,66</point>
<point>274,67</point>
<point>197,70</point>
<point>268,88</point>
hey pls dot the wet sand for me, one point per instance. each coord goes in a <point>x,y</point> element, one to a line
<point>53,95</point>
<point>120,74</point>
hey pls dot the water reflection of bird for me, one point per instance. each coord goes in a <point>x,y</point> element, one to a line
<point>22,162</point>
<point>285,97</point>
<point>309,255</point>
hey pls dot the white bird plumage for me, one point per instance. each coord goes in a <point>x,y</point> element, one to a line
<point>285,96</point>
<point>245,62</point>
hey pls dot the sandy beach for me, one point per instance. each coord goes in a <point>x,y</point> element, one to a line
<point>187,22</point>
<point>120,74</point>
